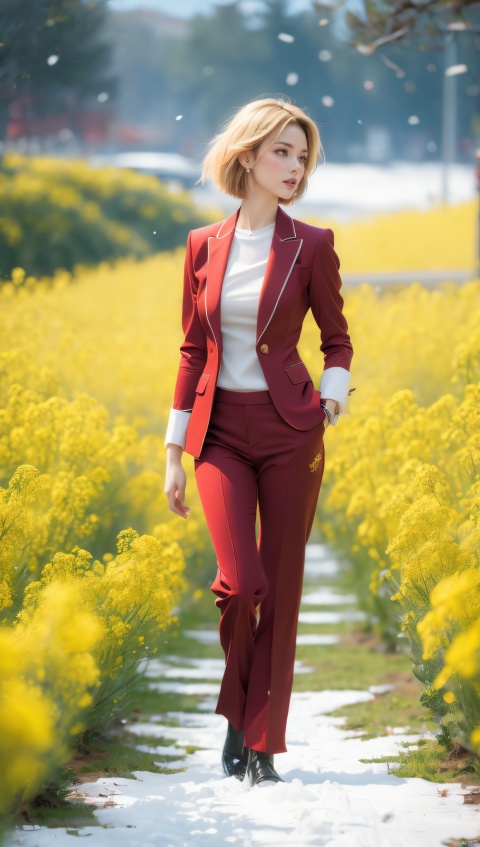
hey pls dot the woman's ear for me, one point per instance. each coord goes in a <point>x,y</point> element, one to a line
<point>245,159</point>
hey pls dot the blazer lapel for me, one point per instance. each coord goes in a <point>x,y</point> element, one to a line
<point>283,254</point>
<point>218,252</point>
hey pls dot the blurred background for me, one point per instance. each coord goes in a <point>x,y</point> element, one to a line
<point>146,83</point>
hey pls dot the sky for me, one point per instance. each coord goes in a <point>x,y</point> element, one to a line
<point>187,8</point>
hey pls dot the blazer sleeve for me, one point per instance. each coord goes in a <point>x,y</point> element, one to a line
<point>326,303</point>
<point>193,355</point>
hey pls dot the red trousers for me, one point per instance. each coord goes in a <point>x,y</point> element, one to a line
<point>251,457</point>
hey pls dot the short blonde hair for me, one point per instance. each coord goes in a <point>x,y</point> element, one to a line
<point>254,123</point>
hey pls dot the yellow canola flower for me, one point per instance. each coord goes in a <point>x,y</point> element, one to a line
<point>450,604</point>
<point>462,657</point>
<point>371,245</point>
<point>47,673</point>
<point>475,739</point>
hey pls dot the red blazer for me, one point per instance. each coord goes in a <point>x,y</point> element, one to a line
<point>302,273</point>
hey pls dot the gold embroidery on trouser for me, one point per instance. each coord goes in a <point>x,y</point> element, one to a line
<point>316,462</point>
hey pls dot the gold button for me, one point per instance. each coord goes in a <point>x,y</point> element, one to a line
<point>264,348</point>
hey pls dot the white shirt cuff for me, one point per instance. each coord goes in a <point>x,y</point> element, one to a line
<point>177,427</point>
<point>334,384</point>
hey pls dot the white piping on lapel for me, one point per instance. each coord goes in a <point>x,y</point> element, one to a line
<point>221,227</point>
<point>288,237</point>
<point>206,290</point>
<point>233,219</point>
<point>282,289</point>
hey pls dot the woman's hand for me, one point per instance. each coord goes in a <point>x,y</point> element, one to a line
<point>331,406</point>
<point>176,481</point>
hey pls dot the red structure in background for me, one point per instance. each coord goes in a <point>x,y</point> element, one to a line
<point>89,125</point>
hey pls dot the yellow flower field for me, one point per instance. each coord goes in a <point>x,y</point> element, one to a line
<point>88,364</point>
<point>401,495</point>
<point>443,238</point>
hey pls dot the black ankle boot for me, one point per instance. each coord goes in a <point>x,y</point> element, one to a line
<point>235,755</point>
<point>260,768</point>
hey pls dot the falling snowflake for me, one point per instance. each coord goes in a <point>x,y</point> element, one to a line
<point>292,79</point>
<point>413,120</point>
<point>324,55</point>
<point>52,60</point>
<point>284,36</point>
<point>328,101</point>
<point>368,84</point>
<point>179,117</point>
<point>454,70</point>
<point>103,97</point>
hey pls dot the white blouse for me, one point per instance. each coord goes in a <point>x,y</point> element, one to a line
<point>240,369</point>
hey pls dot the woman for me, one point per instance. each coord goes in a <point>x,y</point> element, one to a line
<point>246,408</point>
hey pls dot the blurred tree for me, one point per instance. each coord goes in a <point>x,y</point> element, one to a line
<point>217,62</point>
<point>234,56</point>
<point>376,107</point>
<point>55,52</point>
<point>205,68</point>
<point>374,23</point>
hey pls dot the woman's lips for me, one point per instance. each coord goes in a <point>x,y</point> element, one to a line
<point>290,182</point>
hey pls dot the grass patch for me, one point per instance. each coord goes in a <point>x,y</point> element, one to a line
<point>52,807</point>
<point>73,815</point>
<point>146,701</point>
<point>432,761</point>
<point>357,662</point>
<point>149,741</point>
<point>117,757</point>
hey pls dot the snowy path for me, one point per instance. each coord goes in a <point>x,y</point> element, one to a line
<point>329,799</point>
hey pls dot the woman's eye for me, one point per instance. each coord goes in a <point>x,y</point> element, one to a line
<point>302,159</point>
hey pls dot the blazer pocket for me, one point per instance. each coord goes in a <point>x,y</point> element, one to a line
<point>202,384</point>
<point>298,373</point>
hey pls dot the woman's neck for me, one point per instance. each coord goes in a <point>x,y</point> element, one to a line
<point>256,215</point>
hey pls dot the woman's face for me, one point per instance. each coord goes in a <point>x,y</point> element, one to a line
<point>278,168</point>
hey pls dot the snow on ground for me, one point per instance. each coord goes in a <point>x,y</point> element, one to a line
<point>331,617</point>
<point>329,799</point>
<point>327,597</point>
